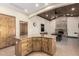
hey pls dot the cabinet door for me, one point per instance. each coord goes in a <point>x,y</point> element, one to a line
<point>45,44</point>
<point>3,27</point>
<point>26,46</point>
<point>36,44</point>
<point>7,30</point>
<point>2,43</point>
<point>3,31</point>
<point>51,46</point>
<point>11,26</point>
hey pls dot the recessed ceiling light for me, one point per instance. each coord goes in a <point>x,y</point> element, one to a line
<point>67,14</point>
<point>56,16</point>
<point>37,5</point>
<point>73,9</point>
<point>46,3</point>
<point>52,17</point>
<point>64,15</point>
<point>26,10</point>
<point>71,14</point>
<point>46,15</point>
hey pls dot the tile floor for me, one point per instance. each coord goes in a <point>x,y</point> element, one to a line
<point>67,47</point>
<point>9,51</point>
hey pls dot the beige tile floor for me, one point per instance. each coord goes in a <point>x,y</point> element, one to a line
<point>67,47</point>
<point>9,51</point>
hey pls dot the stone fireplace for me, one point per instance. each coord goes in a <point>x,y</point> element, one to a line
<point>61,25</point>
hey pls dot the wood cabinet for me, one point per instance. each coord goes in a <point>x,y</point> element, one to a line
<point>7,30</point>
<point>26,46</point>
<point>51,46</point>
<point>45,45</point>
<point>48,45</point>
<point>23,46</point>
<point>36,43</point>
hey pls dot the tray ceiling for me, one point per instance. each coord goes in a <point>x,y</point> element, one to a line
<point>69,11</point>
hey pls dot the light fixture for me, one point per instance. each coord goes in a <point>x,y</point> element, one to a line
<point>64,15</point>
<point>46,15</point>
<point>34,24</point>
<point>26,10</point>
<point>67,14</point>
<point>56,16</point>
<point>72,9</point>
<point>52,17</point>
<point>71,14</point>
<point>37,5</point>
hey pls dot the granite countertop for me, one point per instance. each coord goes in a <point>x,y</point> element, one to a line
<point>48,36</point>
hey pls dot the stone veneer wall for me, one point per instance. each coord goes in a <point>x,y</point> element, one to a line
<point>61,23</point>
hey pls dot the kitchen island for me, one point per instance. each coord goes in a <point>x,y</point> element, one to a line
<point>26,45</point>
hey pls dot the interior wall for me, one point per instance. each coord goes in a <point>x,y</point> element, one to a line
<point>37,29</point>
<point>19,16</point>
<point>22,17</point>
<point>72,25</point>
<point>53,26</point>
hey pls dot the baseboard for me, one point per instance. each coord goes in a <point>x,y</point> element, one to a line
<point>72,37</point>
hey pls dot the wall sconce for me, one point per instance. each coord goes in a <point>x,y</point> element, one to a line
<point>34,24</point>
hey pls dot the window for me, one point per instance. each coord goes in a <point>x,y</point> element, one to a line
<point>42,28</point>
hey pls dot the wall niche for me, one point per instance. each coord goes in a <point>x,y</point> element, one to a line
<point>23,28</point>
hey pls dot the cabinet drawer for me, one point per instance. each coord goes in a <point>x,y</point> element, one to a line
<point>27,51</point>
<point>26,46</point>
<point>24,52</point>
<point>26,41</point>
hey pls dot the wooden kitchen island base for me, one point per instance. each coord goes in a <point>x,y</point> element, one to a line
<point>35,44</point>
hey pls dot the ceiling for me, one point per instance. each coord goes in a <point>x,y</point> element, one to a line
<point>30,8</point>
<point>68,11</point>
<point>33,9</point>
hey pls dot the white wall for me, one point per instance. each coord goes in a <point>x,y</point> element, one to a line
<point>53,26</point>
<point>19,16</point>
<point>72,26</point>
<point>37,29</point>
<point>49,25</point>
